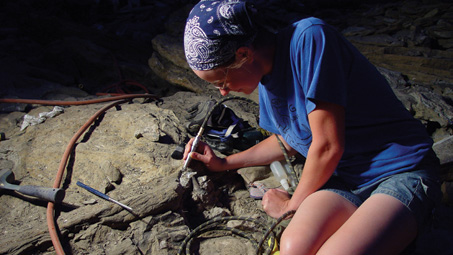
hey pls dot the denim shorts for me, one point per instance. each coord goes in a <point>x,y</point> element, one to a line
<point>419,190</point>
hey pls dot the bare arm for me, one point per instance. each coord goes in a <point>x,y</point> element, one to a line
<point>263,153</point>
<point>327,125</point>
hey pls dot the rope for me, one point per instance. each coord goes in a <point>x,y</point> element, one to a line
<point>288,161</point>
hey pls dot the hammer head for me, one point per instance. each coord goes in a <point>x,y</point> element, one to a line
<point>6,177</point>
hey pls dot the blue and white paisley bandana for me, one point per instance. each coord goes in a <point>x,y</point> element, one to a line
<point>214,31</point>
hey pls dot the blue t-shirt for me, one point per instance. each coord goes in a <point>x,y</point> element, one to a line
<point>315,62</point>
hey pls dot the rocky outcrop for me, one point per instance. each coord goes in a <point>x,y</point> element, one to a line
<point>407,41</point>
<point>412,38</point>
<point>125,154</point>
<point>61,51</point>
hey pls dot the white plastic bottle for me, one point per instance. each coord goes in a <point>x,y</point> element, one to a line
<point>291,177</point>
<point>280,174</point>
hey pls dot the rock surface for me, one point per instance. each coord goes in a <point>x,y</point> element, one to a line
<point>71,50</point>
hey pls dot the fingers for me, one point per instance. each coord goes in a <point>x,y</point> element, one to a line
<point>201,148</point>
<point>187,148</point>
<point>206,155</point>
<point>280,193</point>
<point>275,202</point>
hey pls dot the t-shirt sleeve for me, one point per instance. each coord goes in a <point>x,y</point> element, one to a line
<point>321,65</point>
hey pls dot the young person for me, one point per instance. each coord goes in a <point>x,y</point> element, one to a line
<point>369,182</point>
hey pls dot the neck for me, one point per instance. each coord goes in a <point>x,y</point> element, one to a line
<point>264,51</point>
<point>266,55</point>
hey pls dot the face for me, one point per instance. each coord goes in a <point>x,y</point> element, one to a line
<point>244,79</point>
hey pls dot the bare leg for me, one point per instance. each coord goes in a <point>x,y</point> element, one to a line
<point>381,225</point>
<point>316,219</point>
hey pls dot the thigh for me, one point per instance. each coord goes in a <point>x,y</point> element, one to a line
<point>417,190</point>
<point>381,225</point>
<point>318,217</point>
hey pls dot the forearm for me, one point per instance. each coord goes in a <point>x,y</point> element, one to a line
<point>263,153</point>
<point>318,168</point>
<point>326,150</point>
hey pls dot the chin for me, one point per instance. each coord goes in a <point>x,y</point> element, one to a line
<point>248,92</point>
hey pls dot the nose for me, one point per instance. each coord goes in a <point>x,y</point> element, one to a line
<point>224,92</point>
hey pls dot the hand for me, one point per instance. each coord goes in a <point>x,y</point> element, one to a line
<point>275,202</point>
<point>206,155</point>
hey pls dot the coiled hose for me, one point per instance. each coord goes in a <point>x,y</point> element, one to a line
<point>218,223</point>
<point>50,206</point>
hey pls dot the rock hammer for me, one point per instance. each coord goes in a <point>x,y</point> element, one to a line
<point>48,194</point>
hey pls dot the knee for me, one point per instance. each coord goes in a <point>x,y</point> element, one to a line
<point>291,244</point>
<point>288,245</point>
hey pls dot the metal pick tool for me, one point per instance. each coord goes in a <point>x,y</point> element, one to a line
<point>193,148</point>
<point>102,195</point>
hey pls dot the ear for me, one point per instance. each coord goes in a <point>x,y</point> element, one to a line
<point>244,54</point>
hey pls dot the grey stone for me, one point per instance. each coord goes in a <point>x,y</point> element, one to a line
<point>126,154</point>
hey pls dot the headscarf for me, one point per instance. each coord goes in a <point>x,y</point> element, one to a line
<point>214,31</point>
